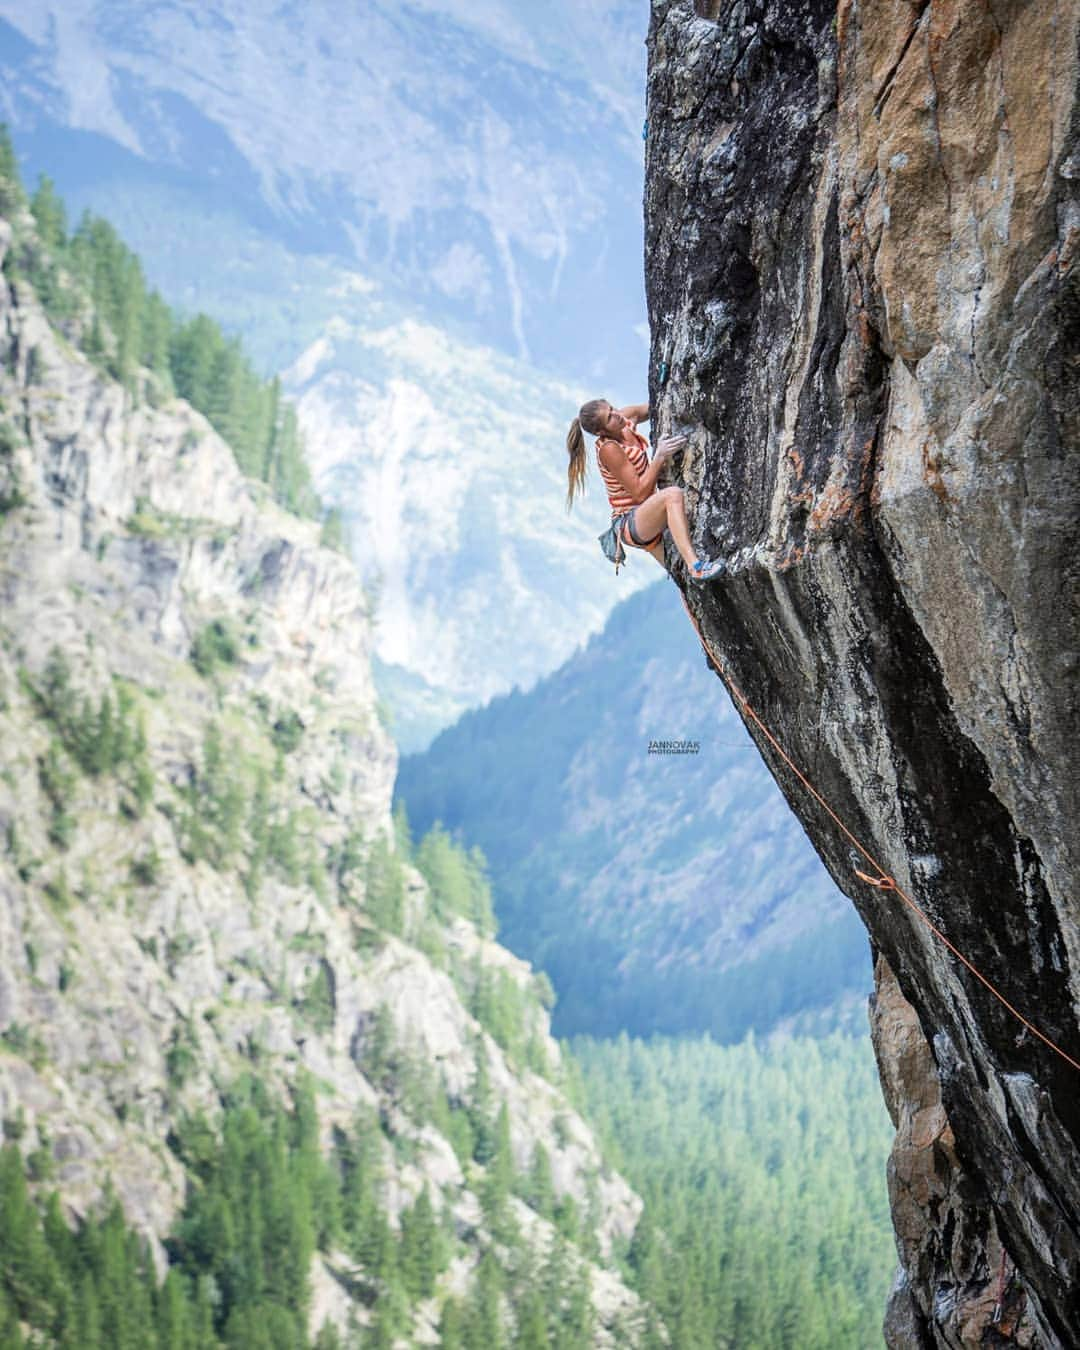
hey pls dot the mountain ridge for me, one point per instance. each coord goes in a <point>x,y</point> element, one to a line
<point>512,186</point>
<point>661,893</point>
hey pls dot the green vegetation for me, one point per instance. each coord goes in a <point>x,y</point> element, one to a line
<point>762,1168</point>
<point>12,196</point>
<point>334,533</point>
<point>384,887</point>
<point>239,1254</point>
<point>262,1200</point>
<point>151,523</point>
<point>765,1223</point>
<point>316,1003</point>
<point>146,869</point>
<point>217,644</point>
<point>215,799</point>
<point>93,288</point>
<point>22,1040</point>
<point>106,738</point>
<point>11,494</point>
<point>233,817</point>
<point>287,732</point>
<point>458,879</point>
<point>507,1011</point>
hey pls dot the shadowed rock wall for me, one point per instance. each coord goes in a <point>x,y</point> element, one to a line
<point>861,238</point>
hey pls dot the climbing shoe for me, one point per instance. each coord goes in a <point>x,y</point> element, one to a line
<point>702,570</point>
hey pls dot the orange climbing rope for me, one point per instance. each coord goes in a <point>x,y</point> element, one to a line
<point>883,881</point>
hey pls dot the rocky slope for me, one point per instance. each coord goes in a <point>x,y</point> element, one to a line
<point>861,268</point>
<point>192,773</point>
<point>426,442</point>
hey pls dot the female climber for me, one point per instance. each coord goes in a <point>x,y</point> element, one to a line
<point>639,510</point>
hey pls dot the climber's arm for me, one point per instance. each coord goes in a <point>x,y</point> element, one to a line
<point>636,412</point>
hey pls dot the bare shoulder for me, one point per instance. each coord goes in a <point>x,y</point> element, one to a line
<point>609,450</point>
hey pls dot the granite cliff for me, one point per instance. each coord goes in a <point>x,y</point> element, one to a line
<point>861,247</point>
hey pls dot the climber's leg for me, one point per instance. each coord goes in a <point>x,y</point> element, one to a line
<point>666,509</point>
<point>657,550</point>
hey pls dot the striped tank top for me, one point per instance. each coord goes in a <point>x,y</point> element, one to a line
<point>635,446</point>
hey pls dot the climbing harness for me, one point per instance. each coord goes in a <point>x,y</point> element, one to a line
<point>882,880</point>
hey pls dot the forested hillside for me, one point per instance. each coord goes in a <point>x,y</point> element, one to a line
<point>661,893</point>
<point>93,288</point>
<point>762,1167</point>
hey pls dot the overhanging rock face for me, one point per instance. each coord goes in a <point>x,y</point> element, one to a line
<point>862,228</point>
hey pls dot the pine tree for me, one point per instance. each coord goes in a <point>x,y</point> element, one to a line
<point>94,341</point>
<point>11,190</point>
<point>88,1316</point>
<point>156,326</point>
<point>49,214</point>
<point>452,1325</point>
<point>422,1247</point>
<point>358,1161</point>
<point>532,1333</point>
<point>27,1268</point>
<point>173,1314</point>
<point>299,1247</point>
<point>384,886</point>
<point>495,1190</point>
<point>142,775</point>
<point>203,1320</point>
<point>541,1190</point>
<point>480,1107</point>
<point>102,746</point>
<point>191,359</point>
<point>115,1280</point>
<point>58,1236</point>
<point>481,905</point>
<point>483,1319</point>
<point>10,1336</point>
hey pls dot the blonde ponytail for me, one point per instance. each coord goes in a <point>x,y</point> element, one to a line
<point>590,418</point>
<point>575,448</point>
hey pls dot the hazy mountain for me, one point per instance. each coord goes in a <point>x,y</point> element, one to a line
<point>484,160</point>
<point>662,892</point>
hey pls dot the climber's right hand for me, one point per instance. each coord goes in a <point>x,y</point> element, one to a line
<point>667,446</point>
